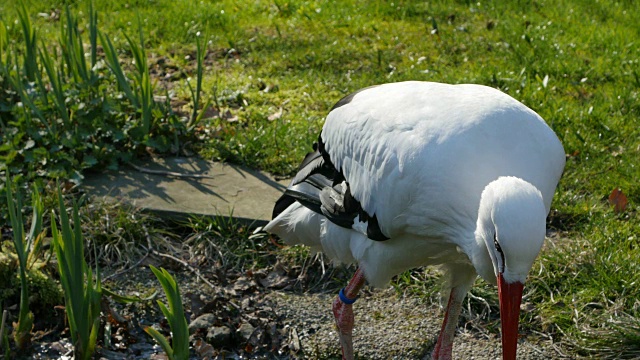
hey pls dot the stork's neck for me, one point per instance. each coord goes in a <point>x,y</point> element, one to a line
<point>510,229</point>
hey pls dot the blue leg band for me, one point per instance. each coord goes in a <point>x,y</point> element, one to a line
<point>345,299</point>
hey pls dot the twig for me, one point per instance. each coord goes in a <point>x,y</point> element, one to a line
<point>118,273</point>
<point>150,250</point>
<point>170,173</point>
<point>186,265</point>
<point>39,335</point>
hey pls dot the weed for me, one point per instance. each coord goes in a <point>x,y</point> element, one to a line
<point>117,232</point>
<point>61,115</point>
<point>225,242</point>
<point>27,247</point>
<point>196,115</point>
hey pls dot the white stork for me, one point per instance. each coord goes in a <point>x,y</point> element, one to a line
<point>416,173</point>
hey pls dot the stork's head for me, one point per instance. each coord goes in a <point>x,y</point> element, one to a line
<point>512,225</point>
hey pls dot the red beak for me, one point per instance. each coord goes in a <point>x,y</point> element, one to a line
<point>510,297</point>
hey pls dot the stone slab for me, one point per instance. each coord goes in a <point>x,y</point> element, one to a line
<point>226,190</point>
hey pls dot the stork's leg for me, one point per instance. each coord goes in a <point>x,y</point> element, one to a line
<point>343,312</point>
<point>443,348</point>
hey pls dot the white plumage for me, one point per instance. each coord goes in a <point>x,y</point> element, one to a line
<point>419,157</point>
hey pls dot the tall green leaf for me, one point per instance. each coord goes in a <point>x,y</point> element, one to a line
<point>81,292</point>
<point>174,312</point>
<point>29,34</point>
<point>22,332</point>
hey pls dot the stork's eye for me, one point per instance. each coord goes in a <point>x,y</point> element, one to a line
<point>499,249</point>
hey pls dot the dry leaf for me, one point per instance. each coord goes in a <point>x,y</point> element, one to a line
<point>227,115</point>
<point>210,112</point>
<point>618,200</point>
<point>276,115</point>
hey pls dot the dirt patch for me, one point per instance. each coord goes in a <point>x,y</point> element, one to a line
<point>266,314</point>
<point>391,327</point>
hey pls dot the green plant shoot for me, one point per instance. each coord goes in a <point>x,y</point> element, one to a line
<point>82,294</point>
<point>179,347</point>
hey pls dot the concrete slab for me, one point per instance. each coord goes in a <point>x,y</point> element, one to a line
<point>180,187</point>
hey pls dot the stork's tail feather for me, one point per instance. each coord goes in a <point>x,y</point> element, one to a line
<point>297,225</point>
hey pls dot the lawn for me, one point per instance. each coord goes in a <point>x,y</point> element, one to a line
<point>270,70</point>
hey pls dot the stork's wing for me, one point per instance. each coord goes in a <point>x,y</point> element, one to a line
<point>320,187</point>
<point>414,157</point>
<point>418,155</point>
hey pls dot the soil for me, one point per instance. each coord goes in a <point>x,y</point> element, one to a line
<point>276,313</point>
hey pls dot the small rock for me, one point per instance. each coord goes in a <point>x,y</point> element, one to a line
<point>204,350</point>
<point>246,304</point>
<point>109,355</point>
<point>203,321</point>
<point>63,346</point>
<point>245,331</point>
<point>140,348</point>
<point>219,336</point>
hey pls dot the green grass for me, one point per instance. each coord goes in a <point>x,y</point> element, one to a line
<point>575,62</point>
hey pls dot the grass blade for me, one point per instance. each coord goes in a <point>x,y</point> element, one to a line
<point>161,340</point>
<point>55,82</point>
<point>73,49</point>
<point>144,89</point>
<point>200,54</point>
<point>29,35</point>
<point>111,58</point>
<point>93,34</point>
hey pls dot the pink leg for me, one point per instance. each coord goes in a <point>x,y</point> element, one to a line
<point>444,346</point>
<point>343,313</point>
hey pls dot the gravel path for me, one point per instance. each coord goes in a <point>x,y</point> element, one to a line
<point>388,327</point>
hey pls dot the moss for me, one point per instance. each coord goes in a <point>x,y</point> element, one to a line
<point>9,289</point>
<point>45,292</point>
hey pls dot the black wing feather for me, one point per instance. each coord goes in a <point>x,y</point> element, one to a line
<point>320,187</point>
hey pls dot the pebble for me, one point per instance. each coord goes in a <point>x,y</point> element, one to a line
<point>245,331</point>
<point>203,321</point>
<point>219,336</point>
<point>389,327</point>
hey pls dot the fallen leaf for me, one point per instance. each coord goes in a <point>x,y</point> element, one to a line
<point>618,200</point>
<point>276,115</point>
<point>244,284</point>
<point>227,115</point>
<point>210,112</point>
